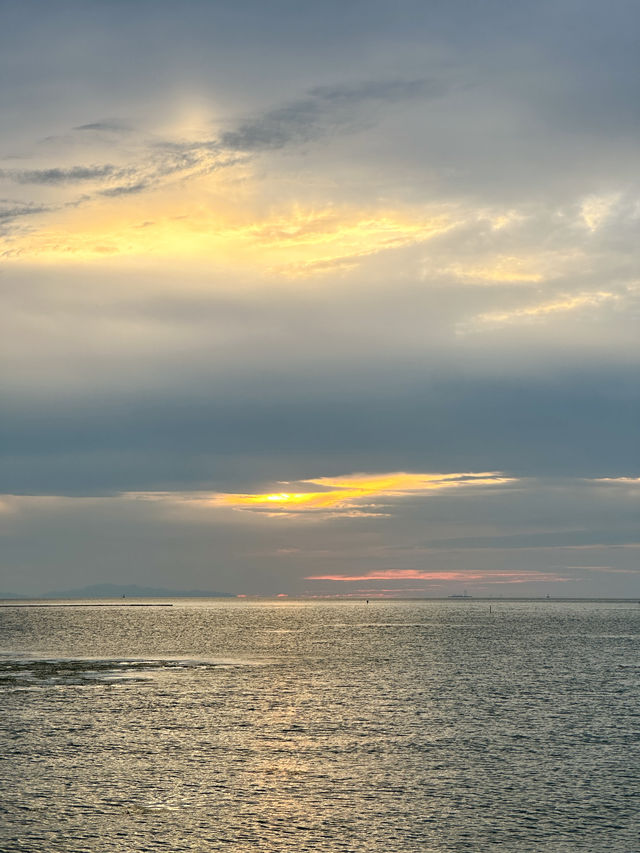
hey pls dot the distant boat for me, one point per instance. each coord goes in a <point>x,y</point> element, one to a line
<point>460,595</point>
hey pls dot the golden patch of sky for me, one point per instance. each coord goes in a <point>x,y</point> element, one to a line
<point>352,495</point>
<point>179,226</point>
<point>177,199</point>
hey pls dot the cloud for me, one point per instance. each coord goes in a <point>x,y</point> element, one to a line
<point>125,189</point>
<point>153,160</point>
<point>298,241</point>
<point>354,495</point>
<point>543,309</point>
<point>247,552</point>
<point>619,481</point>
<point>108,125</point>
<point>350,238</point>
<point>53,176</point>
<point>324,110</point>
<point>469,575</point>
<point>10,211</point>
<point>351,496</point>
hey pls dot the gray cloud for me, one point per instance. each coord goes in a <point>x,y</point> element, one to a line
<point>108,125</point>
<point>373,419</point>
<point>11,210</point>
<point>324,110</point>
<point>86,540</point>
<point>74,174</point>
<point>594,537</point>
<point>125,189</point>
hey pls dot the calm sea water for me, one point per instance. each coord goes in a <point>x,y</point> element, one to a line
<point>396,726</point>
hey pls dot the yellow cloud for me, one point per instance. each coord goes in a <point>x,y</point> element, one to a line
<point>217,218</point>
<point>351,495</point>
<point>542,309</point>
<point>355,492</point>
<point>503,268</point>
<point>525,267</point>
<point>311,242</point>
<point>596,208</point>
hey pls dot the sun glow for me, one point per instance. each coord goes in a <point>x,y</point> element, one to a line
<point>356,493</point>
<point>214,219</point>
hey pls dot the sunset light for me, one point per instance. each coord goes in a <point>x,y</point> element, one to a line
<point>355,491</point>
<point>291,295</point>
<point>319,458</point>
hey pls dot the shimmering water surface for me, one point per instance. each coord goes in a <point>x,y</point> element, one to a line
<point>395,726</point>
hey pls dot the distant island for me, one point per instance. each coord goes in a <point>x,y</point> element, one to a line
<point>112,590</point>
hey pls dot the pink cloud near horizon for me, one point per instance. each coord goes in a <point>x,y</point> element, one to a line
<point>420,574</point>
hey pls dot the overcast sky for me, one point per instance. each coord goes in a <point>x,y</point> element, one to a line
<point>320,298</point>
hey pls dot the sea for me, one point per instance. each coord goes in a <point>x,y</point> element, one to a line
<point>277,726</point>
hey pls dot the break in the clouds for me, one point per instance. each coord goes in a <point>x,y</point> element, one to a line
<point>354,495</point>
<point>339,301</point>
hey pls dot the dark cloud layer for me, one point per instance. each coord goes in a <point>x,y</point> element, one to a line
<point>576,425</point>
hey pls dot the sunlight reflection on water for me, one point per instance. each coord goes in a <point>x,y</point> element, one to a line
<point>326,727</point>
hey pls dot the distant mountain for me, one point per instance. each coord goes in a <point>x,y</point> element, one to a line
<point>114,590</point>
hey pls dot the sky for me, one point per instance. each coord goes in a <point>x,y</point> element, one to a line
<point>320,299</point>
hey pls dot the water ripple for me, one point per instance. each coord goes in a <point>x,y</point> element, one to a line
<point>398,728</point>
